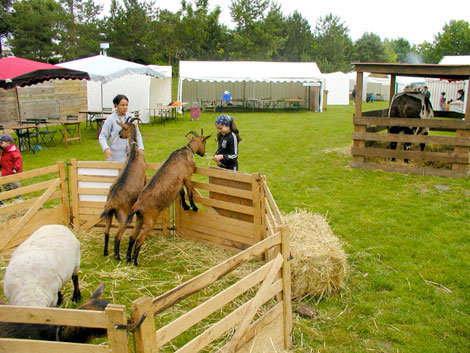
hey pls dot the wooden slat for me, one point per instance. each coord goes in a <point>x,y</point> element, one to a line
<point>226,243</point>
<point>224,174</point>
<point>29,174</point>
<point>52,316</point>
<point>414,155</point>
<point>431,123</point>
<point>218,222</point>
<point>14,207</point>
<point>93,191</point>
<point>224,190</point>
<point>411,170</point>
<point>28,189</point>
<point>210,276</point>
<point>259,299</point>
<point>74,193</point>
<point>224,205</point>
<point>438,140</point>
<point>28,346</point>
<point>222,326</point>
<point>99,164</point>
<point>96,178</point>
<point>233,236</point>
<point>25,219</point>
<point>189,319</point>
<point>286,289</point>
<point>92,204</point>
<point>272,202</point>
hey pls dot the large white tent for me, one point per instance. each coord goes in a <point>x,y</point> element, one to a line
<point>200,80</point>
<point>145,86</point>
<point>337,84</point>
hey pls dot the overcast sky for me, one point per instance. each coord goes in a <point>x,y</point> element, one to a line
<point>417,21</point>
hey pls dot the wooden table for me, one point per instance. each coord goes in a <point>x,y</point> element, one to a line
<point>294,103</point>
<point>167,112</point>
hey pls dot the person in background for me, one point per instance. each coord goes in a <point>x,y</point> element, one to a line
<point>11,162</point>
<point>442,101</point>
<point>460,95</point>
<point>228,138</point>
<point>426,92</point>
<point>114,147</point>
<point>353,94</point>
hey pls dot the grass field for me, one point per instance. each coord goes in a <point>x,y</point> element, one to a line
<point>408,242</point>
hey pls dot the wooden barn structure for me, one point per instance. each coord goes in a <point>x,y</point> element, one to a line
<point>447,150</point>
<point>237,211</point>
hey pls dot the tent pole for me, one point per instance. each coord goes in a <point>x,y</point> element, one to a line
<point>18,103</point>
<point>101,96</point>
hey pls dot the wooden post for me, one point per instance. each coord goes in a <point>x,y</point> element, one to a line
<point>74,192</point>
<point>145,336</point>
<point>286,289</point>
<point>64,193</point>
<point>258,206</point>
<point>393,80</point>
<point>358,114</point>
<point>117,337</point>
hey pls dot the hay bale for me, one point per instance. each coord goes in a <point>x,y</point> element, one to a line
<point>319,263</point>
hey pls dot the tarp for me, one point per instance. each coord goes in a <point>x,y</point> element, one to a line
<point>245,79</point>
<point>455,60</point>
<point>111,76</point>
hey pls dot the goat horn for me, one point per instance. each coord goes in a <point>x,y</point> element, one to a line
<point>191,132</point>
<point>133,119</point>
<point>202,132</point>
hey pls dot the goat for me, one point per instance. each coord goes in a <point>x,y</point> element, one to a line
<point>125,190</point>
<point>57,332</point>
<point>41,266</point>
<point>163,188</point>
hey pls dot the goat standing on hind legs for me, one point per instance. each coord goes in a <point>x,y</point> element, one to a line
<point>126,189</point>
<point>163,188</point>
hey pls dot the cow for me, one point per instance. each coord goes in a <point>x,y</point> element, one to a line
<point>414,105</point>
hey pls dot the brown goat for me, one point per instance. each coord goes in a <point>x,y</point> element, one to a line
<point>56,332</point>
<point>127,187</point>
<point>163,188</point>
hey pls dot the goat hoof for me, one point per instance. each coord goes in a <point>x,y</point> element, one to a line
<point>105,253</point>
<point>185,207</point>
<point>195,209</point>
<point>135,263</point>
<point>117,257</point>
<point>128,259</point>
<point>77,298</point>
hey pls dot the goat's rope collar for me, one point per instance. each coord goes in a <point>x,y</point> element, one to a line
<point>189,148</point>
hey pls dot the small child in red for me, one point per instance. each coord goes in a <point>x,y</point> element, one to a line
<point>11,161</point>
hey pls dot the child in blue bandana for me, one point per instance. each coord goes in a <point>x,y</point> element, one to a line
<point>228,138</point>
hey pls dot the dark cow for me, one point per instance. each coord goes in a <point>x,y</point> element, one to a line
<point>409,105</point>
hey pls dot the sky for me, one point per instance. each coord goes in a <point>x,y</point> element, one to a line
<point>416,21</point>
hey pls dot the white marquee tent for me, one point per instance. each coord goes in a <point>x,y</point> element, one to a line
<point>145,86</point>
<point>337,84</point>
<point>200,80</point>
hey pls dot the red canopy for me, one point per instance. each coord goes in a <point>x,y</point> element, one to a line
<point>23,72</point>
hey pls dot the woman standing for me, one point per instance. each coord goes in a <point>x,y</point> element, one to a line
<point>114,147</point>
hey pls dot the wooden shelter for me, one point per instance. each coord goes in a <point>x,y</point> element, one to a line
<point>237,211</point>
<point>447,151</point>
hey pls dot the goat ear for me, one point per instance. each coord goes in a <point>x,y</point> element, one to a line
<point>206,137</point>
<point>98,291</point>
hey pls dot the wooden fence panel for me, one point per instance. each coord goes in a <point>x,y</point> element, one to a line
<point>449,156</point>
<point>90,182</point>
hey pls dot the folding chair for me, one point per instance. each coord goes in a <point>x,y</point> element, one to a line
<point>47,136</point>
<point>71,129</point>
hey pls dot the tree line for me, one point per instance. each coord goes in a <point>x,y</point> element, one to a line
<point>62,30</point>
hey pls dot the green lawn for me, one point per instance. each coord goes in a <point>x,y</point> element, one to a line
<point>408,243</point>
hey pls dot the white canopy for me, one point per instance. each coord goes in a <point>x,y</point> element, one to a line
<point>211,78</point>
<point>145,86</point>
<point>455,60</point>
<point>102,68</point>
<point>337,84</point>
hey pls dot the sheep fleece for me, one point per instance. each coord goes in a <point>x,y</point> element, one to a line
<point>41,266</point>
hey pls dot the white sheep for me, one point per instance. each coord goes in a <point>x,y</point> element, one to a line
<point>41,266</point>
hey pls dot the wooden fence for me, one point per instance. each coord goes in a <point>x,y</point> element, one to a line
<point>44,201</point>
<point>237,211</point>
<point>446,154</point>
<point>111,319</point>
<point>89,184</point>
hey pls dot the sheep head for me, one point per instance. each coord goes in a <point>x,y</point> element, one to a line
<point>197,143</point>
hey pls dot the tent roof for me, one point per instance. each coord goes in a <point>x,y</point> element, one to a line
<point>103,68</point>
<point>165,70</point>
<point>455,60</point>
<point>23,72</point>
<point>249,71</point>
